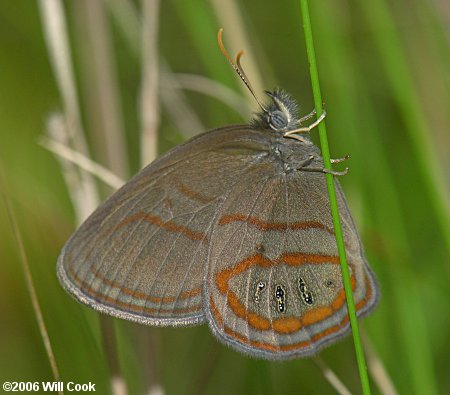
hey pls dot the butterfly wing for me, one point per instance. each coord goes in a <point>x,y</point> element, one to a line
<point>222,208</point>
<point>142,254</point>
<point>274,286</point>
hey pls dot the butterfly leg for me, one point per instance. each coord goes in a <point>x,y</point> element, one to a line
<point>306,162</point>
<point>327,171</point>
<point>306,129</point>
<point>308,116</point>
<point>336,173</point>
<point>339,160</point>
<point>302,166</point>
<point>311,114</point>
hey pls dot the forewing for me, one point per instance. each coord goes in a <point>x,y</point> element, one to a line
<point>142,254</point>
<point>274,287</point>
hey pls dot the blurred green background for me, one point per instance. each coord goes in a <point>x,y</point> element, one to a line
<point>385,76</point>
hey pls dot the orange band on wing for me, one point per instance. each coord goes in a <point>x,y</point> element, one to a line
<point>169,226</point>
<point>199,197</point>
<point>281,325</point>
<point>85,287</point>
<point>274,226</point>
<point>291,259</point>
<point>294,346</point>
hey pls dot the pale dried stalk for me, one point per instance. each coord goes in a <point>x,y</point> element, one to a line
<point>155,390</point>
<point>119,386</point>
<point>127,20</point>
<point>104,108</point>
<point>331,377</point>
<point>83,162</point>
<point>377,370</point>
<point>185,119</point>
<point>57,132</point>
<point>125,15</point>
<point>215,89</point>
<point>85,195</point>
<point>149,106</point>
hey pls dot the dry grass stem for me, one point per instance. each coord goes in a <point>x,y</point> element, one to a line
<point>149,105</point>
<point>184,118</point>
<point>83,162</point>
<point>331,377</point>
<point>104,107</point>
<point>155,390</point>
<point>55,32</point>
<point>212,88</point>
<point>377,369</point>
<point>57,132</point>
<point>125,15</point>
<point>119,386</point>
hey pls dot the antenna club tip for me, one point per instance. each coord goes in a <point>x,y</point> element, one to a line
<point>239,56</point>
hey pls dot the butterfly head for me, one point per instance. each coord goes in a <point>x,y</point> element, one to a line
<point>279,115</point>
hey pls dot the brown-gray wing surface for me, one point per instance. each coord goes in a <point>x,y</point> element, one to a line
<point>274,286</point>
<point>142,255</point>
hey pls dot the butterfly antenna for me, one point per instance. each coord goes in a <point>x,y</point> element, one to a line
<point>238,68</point>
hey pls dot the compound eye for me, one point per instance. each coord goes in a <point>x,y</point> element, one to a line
<point>278,120</point>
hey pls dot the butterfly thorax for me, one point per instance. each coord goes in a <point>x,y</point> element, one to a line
<point>292,154</point>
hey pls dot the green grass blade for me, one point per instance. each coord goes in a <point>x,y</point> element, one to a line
<point>333,201</point>
<point>30,285</point>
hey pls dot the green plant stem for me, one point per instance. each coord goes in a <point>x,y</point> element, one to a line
<point>333,202</point>
<point>30,285</point>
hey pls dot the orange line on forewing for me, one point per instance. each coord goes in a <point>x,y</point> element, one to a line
<point>169,226</point>
<point>184,295</point>
<point>291,323</point>
<point>194,195</point>
<point>141,295</point>
<point>142,309</point>
<point>273,226</point>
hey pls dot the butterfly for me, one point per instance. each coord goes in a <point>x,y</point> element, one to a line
<point>232,228</point>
